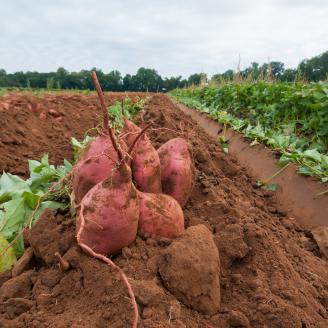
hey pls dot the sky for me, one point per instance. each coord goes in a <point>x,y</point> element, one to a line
<point>174,37</point>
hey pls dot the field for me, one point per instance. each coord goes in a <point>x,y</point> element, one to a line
<point>271,271</point>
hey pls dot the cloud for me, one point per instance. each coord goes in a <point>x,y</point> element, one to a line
<point>173,37</point>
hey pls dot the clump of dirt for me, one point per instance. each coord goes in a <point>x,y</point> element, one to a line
<point>190,269</point>
<point>271,273</point>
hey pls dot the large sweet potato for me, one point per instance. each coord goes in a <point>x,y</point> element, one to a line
<point>110,211</point>
<point>177,169</point>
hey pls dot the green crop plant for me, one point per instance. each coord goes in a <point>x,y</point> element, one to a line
<point>289,117</point>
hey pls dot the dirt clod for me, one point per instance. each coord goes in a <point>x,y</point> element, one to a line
<point>231,243</point>
<point>19,286</point>
<point>190,269</point>
<point>16,306</point>
<point>238,319</point>
<point>46,239</point>
<point>320,235</point>
<point>23,263</point>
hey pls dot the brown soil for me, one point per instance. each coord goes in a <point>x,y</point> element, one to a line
<point>271,270</point>
<point>34,125</point>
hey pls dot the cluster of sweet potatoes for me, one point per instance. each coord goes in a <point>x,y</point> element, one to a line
<point>123,185</point>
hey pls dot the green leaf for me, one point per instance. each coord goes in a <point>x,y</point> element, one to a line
<point>78,146</point>
<point>13,185</point>
<point>305,170</point>
<point>30,199</point>
<point>312,154</point>
<point>19,247</point>
<point>12,217</point>
<point>8,259</point>
<point>271,186</point>
<point>5,197</point>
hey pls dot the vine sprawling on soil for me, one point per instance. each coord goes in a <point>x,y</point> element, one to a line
<point>290,118</point>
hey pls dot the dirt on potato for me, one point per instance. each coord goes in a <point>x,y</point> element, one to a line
<point>268,267</point>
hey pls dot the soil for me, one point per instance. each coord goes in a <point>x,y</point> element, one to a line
<point>32,125</point>
<point>271,271</point>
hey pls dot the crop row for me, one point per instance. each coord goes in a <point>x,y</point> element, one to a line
<point>290,118</point>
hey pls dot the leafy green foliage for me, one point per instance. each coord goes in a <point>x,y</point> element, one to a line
<point>131,108</point>
<point>8,259</point>
<point>290,118</point>
<point>79,145</point>
<point>23,201</point>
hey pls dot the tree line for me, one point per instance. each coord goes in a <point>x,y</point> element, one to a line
<point>147,79</point>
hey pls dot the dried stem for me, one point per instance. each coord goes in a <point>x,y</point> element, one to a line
<point>106,119</point>
<point>275,174</point>
<point>103,106</point>
<point>102,102</point>
<point>105,259</point>
<point>141,133</point>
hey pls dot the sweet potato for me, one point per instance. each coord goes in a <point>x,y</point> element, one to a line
<point>110,211</point>
<point>145,162</point>
<point>177,169</point>
<point>160,215</point>
<point>96,164</point>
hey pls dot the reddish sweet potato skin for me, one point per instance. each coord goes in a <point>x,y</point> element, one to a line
<point>111,213</point>
<point>145,163</point>
<point>97,162</point>
<point>177,169</point>
<point>160,215</point>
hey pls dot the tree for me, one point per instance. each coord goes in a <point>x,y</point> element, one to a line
<point>147,79</point>
<point>316,68</point>
<point>289,75</point>
<point>172,83</point>
<point>195,79</point>
<point>114,81</point>
<point>127,83</point>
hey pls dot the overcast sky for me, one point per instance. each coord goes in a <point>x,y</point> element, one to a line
<point>174,37</point>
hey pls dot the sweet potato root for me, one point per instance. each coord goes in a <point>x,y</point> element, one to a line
<point>177,169</point>
<point>160,215</point>
<point>145,163</point>
<point>96,163</point>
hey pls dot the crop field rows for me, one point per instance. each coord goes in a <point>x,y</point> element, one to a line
<point>241,261</point>
<point>290,118</point>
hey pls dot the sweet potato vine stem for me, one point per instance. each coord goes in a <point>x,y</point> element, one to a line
<point>141,133</point>
<point>102,102</point>
<point>106,127</point>
<point>105,259</point>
